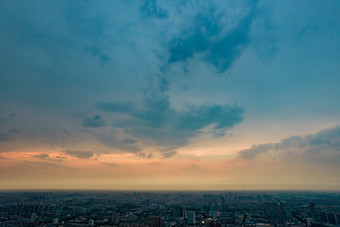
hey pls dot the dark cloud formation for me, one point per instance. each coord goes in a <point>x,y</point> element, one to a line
<point>129,141</point>
<point>207,36</point>
<point>150,8</point>
<point>94,122</point>
<point>169,154</point>
<point>80,154</point>
<point>319,147</point>
<point>61,157</point>
<point>127,144</point>
<point>47,157</point>
<point>149,156</point>
<point>145,155</point>
<point>157,121</point>
<point>255,150</point>
<point>41,156</point>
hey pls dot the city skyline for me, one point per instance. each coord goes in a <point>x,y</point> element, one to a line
<point>159,95</point>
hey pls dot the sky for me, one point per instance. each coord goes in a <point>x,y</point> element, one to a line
<point>170,95</point>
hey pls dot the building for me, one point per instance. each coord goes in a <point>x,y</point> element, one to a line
<point>191,218</point>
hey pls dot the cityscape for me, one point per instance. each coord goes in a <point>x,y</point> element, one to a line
<point>182,208</point>
<point>158,113</point>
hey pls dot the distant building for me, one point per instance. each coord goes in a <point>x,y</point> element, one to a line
<point>33,217</point>
<point>185,213</point>
<point>55,221</point>
<point>191,217</point>
<point>214,213</point>
<point>311,211</point>
<point>155,221</point>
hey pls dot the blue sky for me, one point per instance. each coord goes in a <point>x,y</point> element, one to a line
<point>166,79</point>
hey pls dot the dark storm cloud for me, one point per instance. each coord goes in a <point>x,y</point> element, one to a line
<point>319,147</point>
<point>206,36</point>
<point>156,120</point>
<point>80,154</point>
<point>95,122</point>
<point>151,9</point>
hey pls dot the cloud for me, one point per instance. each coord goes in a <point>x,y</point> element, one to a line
<point>150,9</point>
<point>255,150</point>
<point>144,155</point>
<point>94,122</point>
<point>149,156</point>
<point>48,158</point>
<point>80,154</point>
<point>195,168</point>
<point>111,140</point>
<point>129,141</point>
<point>207,35</point>
<point>61,157</point>
<point>41,156</point>
<point>169,154</point>
<point>323,146</point>
<point>155,120</point>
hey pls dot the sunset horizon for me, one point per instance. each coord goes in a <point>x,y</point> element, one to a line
<point>170,95</point>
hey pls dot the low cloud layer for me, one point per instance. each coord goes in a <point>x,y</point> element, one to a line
<point>323,146</point>
<point>169,154</point>
<point>80,154</point>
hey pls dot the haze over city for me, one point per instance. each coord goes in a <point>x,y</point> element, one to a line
<point>170,95</point>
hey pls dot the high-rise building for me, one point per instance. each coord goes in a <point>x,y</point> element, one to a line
<point>185,213</point>
<point>55,221</point>
<point>33,217</point>
<point>155,221</point>
<point>191,217</point>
